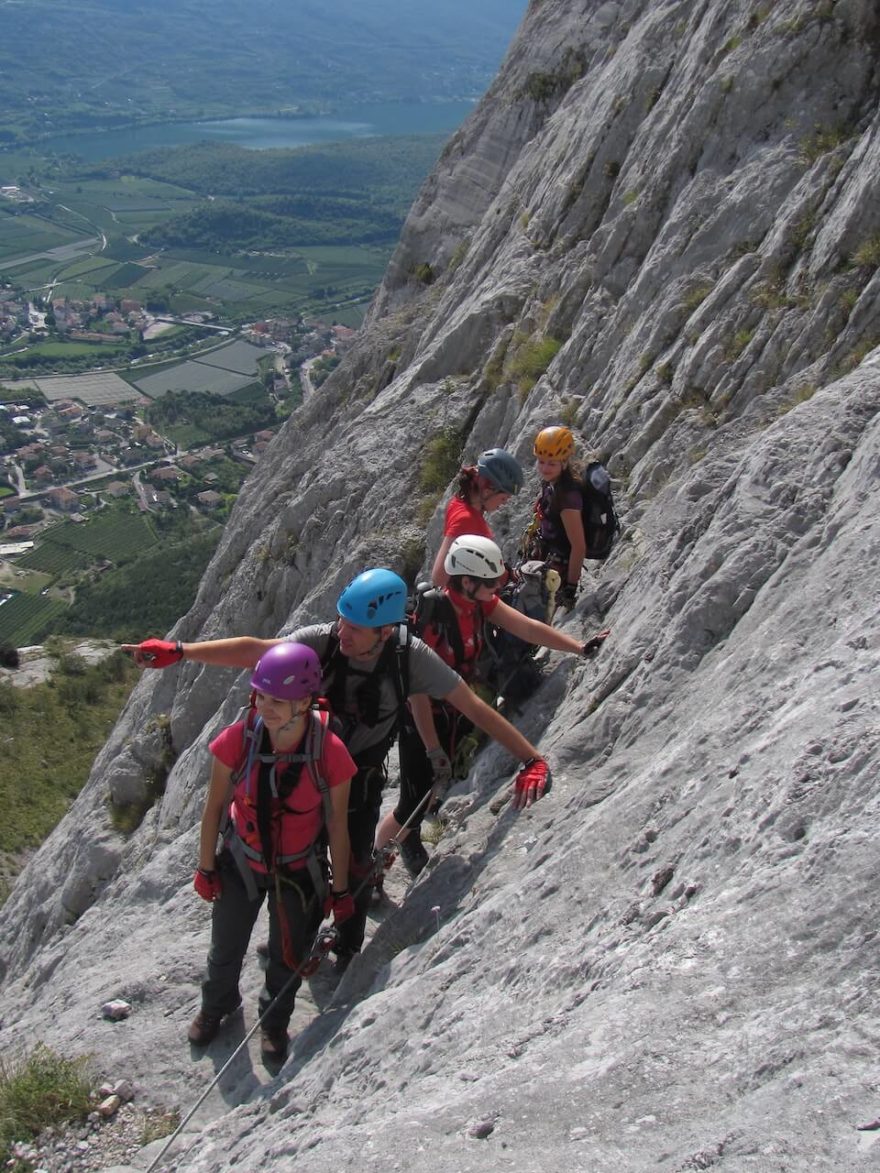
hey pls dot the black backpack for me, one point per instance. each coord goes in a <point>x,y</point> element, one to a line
<point>393,663</point>
<point>503,663</point>
<point>431,608</point>
<point>601,525</point>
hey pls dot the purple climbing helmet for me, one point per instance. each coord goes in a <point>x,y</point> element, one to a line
<point>288,671</point>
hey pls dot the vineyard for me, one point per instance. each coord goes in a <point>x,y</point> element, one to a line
<point>24,617</point>
<point>54,558</point>
<point>112,537</point>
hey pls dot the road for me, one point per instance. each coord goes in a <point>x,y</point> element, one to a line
<point>64,252</point>
<point>305,377</point>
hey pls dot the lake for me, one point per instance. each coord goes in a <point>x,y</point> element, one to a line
<point>390,118</point>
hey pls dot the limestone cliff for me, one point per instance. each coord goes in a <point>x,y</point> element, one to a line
<point>661,225</point>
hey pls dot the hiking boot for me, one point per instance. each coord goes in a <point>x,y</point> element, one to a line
<point>412,852</point>
<point>203,1028</point>
<point>274,1043</point>
<point>344,958</point>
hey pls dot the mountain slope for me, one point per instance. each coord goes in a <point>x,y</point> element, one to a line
<point>668,963</point>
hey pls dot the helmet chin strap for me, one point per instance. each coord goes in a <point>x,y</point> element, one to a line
<point>472,593</point>
<point>297,715</point>
<point>374,648</point>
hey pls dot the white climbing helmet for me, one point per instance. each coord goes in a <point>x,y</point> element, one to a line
<point>474,555</point>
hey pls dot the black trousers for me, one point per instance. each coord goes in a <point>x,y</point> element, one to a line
<point>233,919</point>
<point>416,775</point>
<point>364,808</point>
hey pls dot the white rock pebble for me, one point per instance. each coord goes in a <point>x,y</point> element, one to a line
<point>116,1010</point>
<point>98,1144</point>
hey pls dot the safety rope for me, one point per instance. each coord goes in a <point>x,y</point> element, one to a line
<point>323,942</point>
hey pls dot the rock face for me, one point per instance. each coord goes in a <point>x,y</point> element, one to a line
<point>662,226</point>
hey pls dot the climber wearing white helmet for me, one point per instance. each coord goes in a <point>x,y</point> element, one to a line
<point>452,622</point>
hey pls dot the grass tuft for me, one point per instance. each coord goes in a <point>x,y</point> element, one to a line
<point>40,1089</point>
<point>440,461</point>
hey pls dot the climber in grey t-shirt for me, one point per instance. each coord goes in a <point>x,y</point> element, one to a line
<point>370,667</point>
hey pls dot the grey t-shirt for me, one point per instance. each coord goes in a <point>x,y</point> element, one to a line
<point>426,674</point>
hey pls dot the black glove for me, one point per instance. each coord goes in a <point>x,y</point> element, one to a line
<point>592,645</point>
<point>567,596</point>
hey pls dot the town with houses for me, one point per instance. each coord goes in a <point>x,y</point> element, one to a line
<point>70,445</point>
<point>69,458</point>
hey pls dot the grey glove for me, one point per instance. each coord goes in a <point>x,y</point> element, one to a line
<point>441,773</point>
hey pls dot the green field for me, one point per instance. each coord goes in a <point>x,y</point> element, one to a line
<point>112,535</point>
<point>308,281</point>
<point>90,264</point>
<point>55,559</point>
<point>29,582</point>
<point>124,276</point>
<point>186,435</point>
<point>252,250</point>
<point>25,234</point>
<point>101,352</point>
<point>193,376</point>
<point>25,616</point>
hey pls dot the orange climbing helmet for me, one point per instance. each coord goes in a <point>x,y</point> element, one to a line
<point>556,443</point>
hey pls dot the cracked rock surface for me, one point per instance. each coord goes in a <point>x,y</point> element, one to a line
<point>661,225</point>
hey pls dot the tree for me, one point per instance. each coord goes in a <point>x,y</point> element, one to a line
<point>9,657</point>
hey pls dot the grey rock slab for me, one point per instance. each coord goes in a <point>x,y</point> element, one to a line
<point>670,961</point>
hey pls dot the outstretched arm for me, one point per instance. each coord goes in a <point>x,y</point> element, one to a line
<point>534,779</point>
<point>240,651</point>
<point>423,719</point>
<point>533,631</point>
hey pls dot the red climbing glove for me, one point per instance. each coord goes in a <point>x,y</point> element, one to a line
<point>592,645</point>
<point>208,884</point>
<point>342,904</point>
<point>158,653</point>
<point>532,782</point>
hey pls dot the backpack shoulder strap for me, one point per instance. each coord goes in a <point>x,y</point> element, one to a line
<point>253,738</point>
<point>402,639</point>
<point>334,666</point>
<point>447,623</point>
<point>315,739</point>
<point>437,611</point>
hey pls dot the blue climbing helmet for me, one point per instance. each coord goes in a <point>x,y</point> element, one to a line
<point>373,599</point>
<point>502,469</point>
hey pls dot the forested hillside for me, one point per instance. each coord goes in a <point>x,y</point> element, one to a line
<point>348,193</point>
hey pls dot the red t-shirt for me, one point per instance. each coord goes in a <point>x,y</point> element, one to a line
<point>302,829</point>
<point>462,518</point>
<point>470,615</point>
